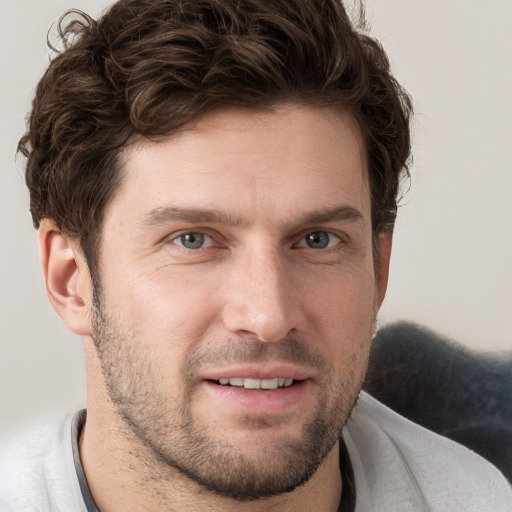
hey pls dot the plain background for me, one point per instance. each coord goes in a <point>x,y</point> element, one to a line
<point>452,260</point>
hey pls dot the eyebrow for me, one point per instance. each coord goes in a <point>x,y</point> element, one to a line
<point>163,215</point>
<point>340,213</point>
<point>167,214</point>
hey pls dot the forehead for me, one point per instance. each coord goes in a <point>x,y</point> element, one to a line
<point>263,165</point>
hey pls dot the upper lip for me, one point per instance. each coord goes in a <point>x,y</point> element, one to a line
<point>268,371</point>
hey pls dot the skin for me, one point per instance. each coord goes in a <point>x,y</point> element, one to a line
<point>255,297</point>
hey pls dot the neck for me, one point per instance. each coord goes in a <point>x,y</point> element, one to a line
<point>122,476</point>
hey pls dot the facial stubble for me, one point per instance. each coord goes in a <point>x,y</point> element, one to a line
<point>175,439</point>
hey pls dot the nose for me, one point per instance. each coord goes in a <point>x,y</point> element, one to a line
<point>262,300</point>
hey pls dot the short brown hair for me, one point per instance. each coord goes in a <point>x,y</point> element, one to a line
<point>148,67</point>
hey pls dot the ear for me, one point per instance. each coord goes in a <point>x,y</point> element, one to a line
<point>384,244</point>
<point>67,277</point>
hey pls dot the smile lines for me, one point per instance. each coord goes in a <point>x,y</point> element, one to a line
<point>247,383</point>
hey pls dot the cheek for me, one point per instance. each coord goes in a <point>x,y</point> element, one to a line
<point>345,312</point>
<point>168,310</point>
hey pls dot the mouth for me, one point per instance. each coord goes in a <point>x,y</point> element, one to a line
<point>265,394</point>
<point>276,388</point>
<point>256,384</point>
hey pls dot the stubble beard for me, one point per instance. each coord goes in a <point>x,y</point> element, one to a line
<point>175,440</point>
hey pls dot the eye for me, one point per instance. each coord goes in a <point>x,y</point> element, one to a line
<point>319,240</point>
<point>193,240</point>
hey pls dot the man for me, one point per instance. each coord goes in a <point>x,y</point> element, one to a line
<point>214,184</point>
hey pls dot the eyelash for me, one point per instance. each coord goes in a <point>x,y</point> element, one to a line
<point>302,242</point>
<point>196,233</point>
<point>317,232</point>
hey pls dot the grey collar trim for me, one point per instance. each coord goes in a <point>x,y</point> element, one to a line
<point>76,428</point>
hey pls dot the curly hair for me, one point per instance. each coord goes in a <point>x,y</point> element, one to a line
<point>149,67</point>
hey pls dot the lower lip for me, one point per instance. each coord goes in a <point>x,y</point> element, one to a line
<point>258,401</point>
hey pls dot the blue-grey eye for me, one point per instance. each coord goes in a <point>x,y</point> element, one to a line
<point>193,240</point>
<point>319,240</point>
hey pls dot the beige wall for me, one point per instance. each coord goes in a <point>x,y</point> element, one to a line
<point>452,258</point>
<point>452,265</point>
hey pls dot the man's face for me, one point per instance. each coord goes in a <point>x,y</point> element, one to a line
<point>238,295</point>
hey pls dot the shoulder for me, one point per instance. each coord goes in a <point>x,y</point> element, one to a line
<point>400,466</point>
<point>37,469</point>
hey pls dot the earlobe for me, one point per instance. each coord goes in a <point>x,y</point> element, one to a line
<point>67,278</point>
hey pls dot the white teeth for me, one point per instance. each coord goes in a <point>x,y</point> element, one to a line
<point>278,382</point>
<point>252,383</point>
<point>269,383</point>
